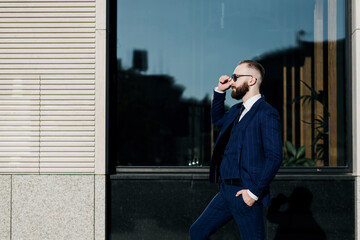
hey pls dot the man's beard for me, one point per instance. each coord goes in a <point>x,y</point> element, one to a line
<point>240,92</point>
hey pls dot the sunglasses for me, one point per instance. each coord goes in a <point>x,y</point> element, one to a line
<point>234,77</point>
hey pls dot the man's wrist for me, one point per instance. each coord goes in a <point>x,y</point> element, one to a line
<point>252,195</point>
<point>218,90</point>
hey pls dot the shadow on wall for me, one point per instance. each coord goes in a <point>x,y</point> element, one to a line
<point>296,222</point>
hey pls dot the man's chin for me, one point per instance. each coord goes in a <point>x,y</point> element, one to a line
<point>235,96</point>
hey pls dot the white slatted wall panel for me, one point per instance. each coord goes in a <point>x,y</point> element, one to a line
<point>47,86</point>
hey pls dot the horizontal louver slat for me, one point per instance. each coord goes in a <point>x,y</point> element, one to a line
<point>51,0</point>
<point>36,4</point>
<point>47,61</point>
<point>23,170</point>
<point>47,9</point>
<point>66,160</point>
<point>39,19</point>
<point>4,160</point>
<point>47,16</point>
<point>66,170</point>
<point>67,165</point>
<point>24,137</point>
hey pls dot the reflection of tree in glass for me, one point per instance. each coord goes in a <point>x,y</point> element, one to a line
<point>320,123</point>
<point>295,157</point>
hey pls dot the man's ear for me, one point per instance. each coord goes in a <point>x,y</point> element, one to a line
<point>252,81</point>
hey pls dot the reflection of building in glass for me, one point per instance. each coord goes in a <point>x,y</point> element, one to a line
<point>154,124</point>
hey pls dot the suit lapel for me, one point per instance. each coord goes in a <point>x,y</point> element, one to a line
<point>231,119</point>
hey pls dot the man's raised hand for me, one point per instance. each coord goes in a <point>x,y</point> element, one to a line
<point>224,83</point>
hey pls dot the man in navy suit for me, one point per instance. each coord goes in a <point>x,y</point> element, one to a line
<point>246,156</point>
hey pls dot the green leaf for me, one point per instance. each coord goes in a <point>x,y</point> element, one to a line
<point>290,148</point>
<point>292,160</point>
<point>306,164</point>
<point>316,139</point>
<point>300,161</point>
<point>300,152</point>
<point>311,162</point>
<point>313,92</point>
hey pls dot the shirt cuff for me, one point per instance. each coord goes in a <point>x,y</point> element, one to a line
<point>252,195</point>
<point>218,91</point>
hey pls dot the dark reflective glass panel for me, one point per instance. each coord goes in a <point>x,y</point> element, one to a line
<point>170,55</point>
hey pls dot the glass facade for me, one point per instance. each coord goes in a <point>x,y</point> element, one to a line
<point>170,55</point>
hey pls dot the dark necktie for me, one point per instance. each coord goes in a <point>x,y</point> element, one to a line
<point>242,108</point>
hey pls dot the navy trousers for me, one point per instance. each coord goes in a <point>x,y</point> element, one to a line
<point>224,207</point>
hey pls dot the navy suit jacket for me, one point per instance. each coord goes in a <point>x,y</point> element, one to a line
<point>259,147</point>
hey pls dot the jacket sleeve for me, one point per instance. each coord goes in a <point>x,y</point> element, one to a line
<point>218,109</point>
<point>272,146</point>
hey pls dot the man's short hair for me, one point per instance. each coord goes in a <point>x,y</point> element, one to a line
<point>255,65</point>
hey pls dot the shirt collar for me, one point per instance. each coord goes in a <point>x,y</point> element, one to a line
<point>251,101</point>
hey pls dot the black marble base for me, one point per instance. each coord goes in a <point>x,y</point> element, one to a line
<point>165,207</point>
